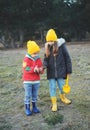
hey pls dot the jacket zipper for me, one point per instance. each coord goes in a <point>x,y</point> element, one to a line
<point>55,66</point>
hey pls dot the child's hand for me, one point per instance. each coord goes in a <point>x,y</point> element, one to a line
<point>68,75</point>
<point>36,69</point>
<point>41,70</point>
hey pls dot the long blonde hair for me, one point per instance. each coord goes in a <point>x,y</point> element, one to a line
<point>51,49</point>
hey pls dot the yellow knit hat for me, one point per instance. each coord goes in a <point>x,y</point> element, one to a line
<point>51,35</point>
<point>32,47</point>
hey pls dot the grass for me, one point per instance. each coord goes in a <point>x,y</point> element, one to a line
<point>53,118</point>
<point>68,117</point>
<point>4,125</point>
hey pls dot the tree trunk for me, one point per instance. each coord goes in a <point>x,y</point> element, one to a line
<point>3,41</point>
<point>21,35</point>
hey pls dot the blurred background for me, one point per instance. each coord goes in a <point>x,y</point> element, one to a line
<point>21,20</point>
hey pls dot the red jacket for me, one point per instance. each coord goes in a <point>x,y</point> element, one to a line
<point>29,64</point>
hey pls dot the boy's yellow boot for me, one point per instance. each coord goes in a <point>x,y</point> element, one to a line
<point>54,103</point>
<point>64,99</point>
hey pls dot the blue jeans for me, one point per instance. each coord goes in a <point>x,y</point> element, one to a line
<point>52,85</point>
<point>31,91</point>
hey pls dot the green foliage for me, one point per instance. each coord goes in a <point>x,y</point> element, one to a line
<point>33,18</point>
<point>53,118</point>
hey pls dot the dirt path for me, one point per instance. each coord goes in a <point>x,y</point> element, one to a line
<point>75,116</point>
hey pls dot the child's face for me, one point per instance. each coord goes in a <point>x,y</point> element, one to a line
<point>51,43</point>
<point>35,54</point>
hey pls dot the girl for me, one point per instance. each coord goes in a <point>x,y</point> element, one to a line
<point>58,64</point>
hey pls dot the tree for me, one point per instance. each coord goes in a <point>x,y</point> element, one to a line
<point>21,20</point>
<point>23,17</point>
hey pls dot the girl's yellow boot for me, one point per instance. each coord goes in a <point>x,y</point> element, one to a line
<point>64,99</point>
<point>54,103</point>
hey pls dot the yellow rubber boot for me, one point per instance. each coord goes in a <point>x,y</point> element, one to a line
<point>54,103</point>
<point>64,99</point>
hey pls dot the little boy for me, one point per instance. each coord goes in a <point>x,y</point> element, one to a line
<point>32,68</point>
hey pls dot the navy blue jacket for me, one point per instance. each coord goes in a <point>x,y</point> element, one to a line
<point>60,65</point>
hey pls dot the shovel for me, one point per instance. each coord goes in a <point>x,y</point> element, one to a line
<point>66,87</point>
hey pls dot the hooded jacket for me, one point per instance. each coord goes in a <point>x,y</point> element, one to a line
<point>29,64</point>
<point>60,65</point>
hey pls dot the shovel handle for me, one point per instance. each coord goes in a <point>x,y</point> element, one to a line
<point>67,80</point>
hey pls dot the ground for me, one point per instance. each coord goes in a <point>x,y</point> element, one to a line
<point>75,116</point>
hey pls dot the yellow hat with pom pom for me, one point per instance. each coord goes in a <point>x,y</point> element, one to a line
<point>51,35</point>
<point>32,47</point>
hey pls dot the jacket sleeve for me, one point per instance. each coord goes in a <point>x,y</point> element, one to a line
<point>67,59</point>
<point>45,62</point>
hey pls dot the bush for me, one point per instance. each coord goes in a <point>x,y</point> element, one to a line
<point>53,118</point>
